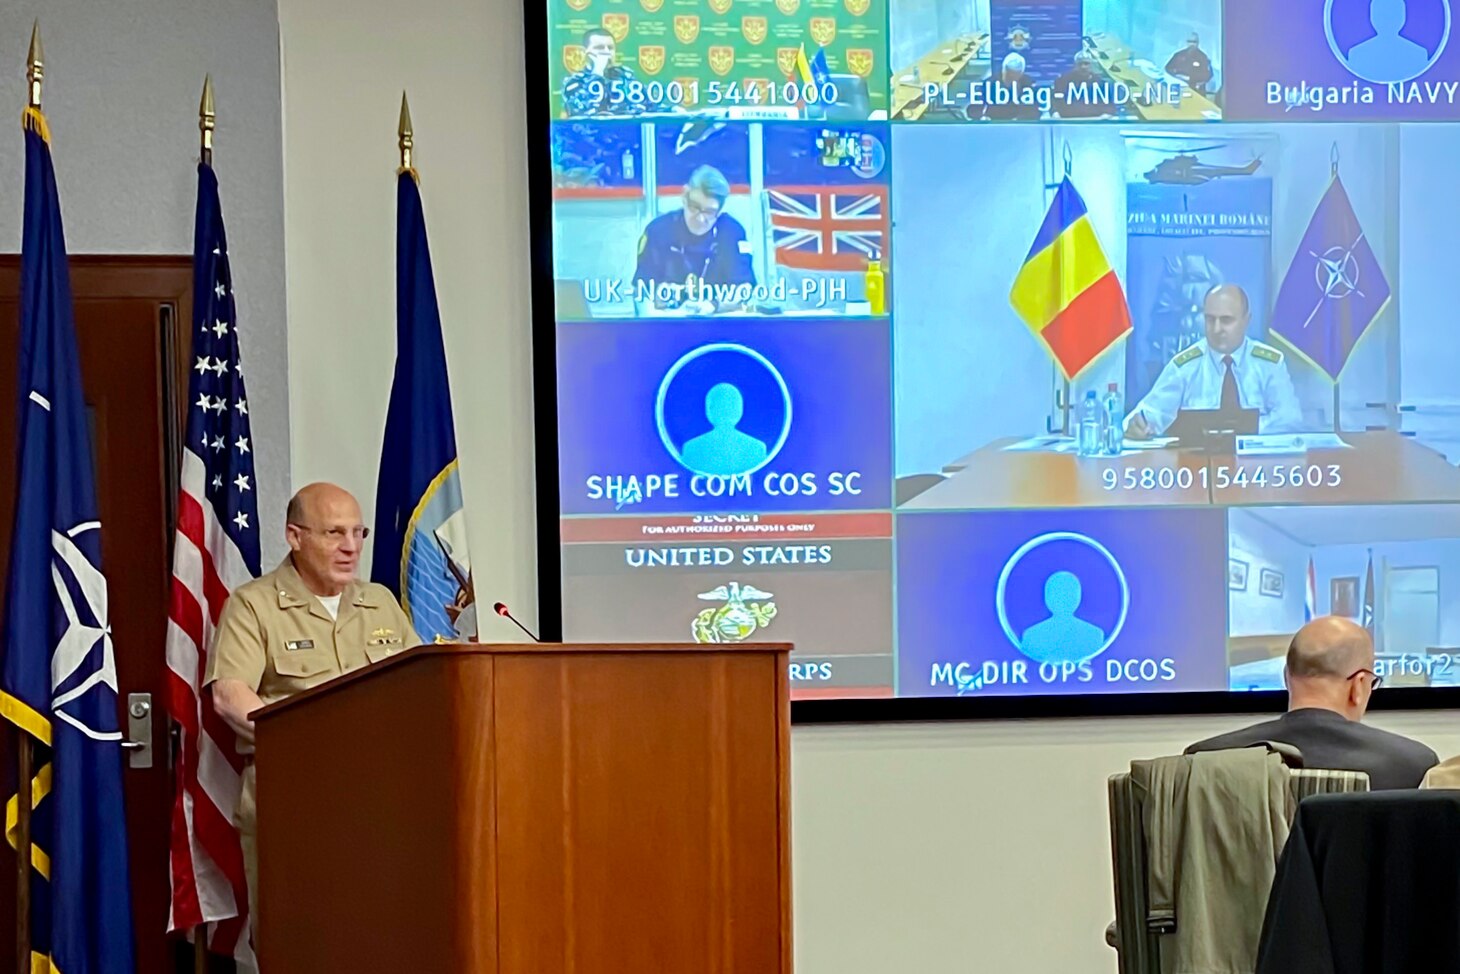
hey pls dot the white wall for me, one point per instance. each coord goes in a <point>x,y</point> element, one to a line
<point>1430,357</point>
<point>1261,545</point>
<point>122,84</point>
<point>345,64</point>
<point>937,849</point>
<point>1440,554</point>
<point>964,849</point>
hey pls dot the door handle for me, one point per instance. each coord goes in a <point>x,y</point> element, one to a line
<point>139,730</point>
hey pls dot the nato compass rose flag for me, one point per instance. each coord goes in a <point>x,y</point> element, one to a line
<point>420,520</point>
<point>1334,289</point>
<point>59,682</point>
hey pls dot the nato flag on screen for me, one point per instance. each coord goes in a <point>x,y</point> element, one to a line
<point>420,521</point>
<point>59,682</point>
<point>1334,289</point>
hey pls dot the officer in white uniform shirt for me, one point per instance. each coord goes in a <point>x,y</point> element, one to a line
<point>1227,370</point>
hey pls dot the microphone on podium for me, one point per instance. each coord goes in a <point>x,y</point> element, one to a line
<point>501,609</point>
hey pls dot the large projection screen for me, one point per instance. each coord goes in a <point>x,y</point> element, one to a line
<point>1030,357</point>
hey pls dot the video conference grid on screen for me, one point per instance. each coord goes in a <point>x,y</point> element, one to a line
<point>1001,348</point>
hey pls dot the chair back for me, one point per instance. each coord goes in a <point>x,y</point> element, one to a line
<point>1138,949</point>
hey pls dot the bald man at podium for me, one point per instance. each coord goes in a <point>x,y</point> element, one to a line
<point>303,624</point>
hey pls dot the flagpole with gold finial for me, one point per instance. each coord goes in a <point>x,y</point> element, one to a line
<point>34,74</point>
<point>207,119</point>
<point>35,69</point>
<point>407,138</point>
<point>25,764</point>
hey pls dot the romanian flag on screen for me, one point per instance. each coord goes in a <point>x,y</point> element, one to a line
<point>1066,292</point>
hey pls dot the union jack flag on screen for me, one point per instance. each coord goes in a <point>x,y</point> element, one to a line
<point>828,228</point>
<point>215,551</point>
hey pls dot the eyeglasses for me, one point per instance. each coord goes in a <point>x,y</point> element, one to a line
<point>337,536</point>
<point>1375,680</point>
<point>692,205</point>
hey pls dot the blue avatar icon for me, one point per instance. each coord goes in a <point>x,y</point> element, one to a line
<point>1063,637</point>
<point>723,451</point>
<point>1387,54</point>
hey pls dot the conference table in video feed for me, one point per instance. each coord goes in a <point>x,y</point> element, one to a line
<point>1119,64</point>
<point>1377,467</point>
<point>939,66</point>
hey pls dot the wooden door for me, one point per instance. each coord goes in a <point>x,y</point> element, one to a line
<point>133,355</point>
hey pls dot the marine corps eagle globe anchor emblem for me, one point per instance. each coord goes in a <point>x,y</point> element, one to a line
<point>736,620</point>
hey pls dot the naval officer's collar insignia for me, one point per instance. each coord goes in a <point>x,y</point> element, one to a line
<point>292,593</point>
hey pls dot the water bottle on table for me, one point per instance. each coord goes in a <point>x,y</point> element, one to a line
<point>1113,421</point>
<point>1088,440</point>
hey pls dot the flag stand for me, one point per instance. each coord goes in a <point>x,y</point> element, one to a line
<point>207,122</point>
<point>25,748</point>
<point>24,762</point>
<point>1066,405</point>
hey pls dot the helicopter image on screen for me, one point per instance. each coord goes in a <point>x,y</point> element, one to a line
<point>1185,169</point>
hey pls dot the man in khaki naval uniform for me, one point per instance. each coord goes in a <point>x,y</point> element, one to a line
<point>303,624</point>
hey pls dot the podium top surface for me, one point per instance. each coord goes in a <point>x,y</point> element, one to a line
<point>431,650</point>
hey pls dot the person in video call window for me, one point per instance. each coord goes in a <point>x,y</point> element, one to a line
<point>1083,103</point>
<point>698,245</point>
<point>1191,65</point>
<point>1226,370</point>
<point>1330,678</point>
<point>1022,106</point>
<point>601,87</point>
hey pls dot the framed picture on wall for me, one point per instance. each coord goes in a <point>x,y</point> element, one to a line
<point>1271,583</point>
<point>1236,574</point>
<point>1343,596</point>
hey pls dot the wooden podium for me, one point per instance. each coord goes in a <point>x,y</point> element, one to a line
<point>531,809</point>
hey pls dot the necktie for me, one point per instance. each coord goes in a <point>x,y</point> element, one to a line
<point>1230,400</point>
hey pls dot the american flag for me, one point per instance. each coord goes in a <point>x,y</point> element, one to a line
<point>828,228</point>
<point>216,550</point>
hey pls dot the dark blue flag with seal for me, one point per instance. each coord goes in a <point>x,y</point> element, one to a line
<point>421,549</point>
<point>59,681</point>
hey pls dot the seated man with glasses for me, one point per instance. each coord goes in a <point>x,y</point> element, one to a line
<point>1330,677</point>
<point>697,259</point>
<point>303,624</point>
